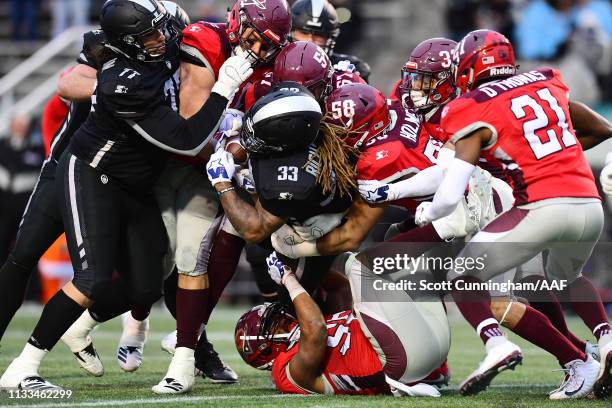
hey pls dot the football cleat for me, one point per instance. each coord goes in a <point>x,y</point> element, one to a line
<point>37,383</point>
<point>592,349</point>
<point>181,374</point>
<point>131,343</point>
<point>501,355</point>
<point>579,379</point>
<point>209,364</point>
<point>78,340</point>
<point>603,385</point>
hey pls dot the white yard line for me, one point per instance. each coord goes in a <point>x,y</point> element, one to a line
<point>158,400</point>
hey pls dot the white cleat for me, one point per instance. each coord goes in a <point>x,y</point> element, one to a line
<point>78,340</point>
<point>399,389</point>
<point>579,379</point>
<point>501,355</point>
<point>181,374</point>
<point>592,349</point>
<point>131,343</point>
<point>603,385</point>
<point>168,343</point>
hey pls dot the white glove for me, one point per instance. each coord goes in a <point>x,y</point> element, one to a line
<point>244,178</point>
<point>420,216</point>
<point>315,227</point>
<point>234,71</point>
<point>287,242</point>
<point>220,167</point>
<point>605,177</point>
<point>345,65</point>
<point>399,389</point>
<point>374,191</point>
<point>231,122</point>
<point>277,269</point>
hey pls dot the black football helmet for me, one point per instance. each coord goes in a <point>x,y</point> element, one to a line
<point>181,19</point>
<point>127,22</point>
<point>285,120</point>
<point>318,17</point>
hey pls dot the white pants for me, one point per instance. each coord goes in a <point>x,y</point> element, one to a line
<point>188,206</point>
<point>568,228</point>
<point>411,338</point>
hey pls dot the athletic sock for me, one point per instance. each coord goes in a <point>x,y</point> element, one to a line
<point>586,302</point>
<point>57,316</point>
<point>547,303</point>
<point>475,306</point>
<point>13,283</point>
<point>537,329</point>
<point>224,258</point>
<point>190,310</point>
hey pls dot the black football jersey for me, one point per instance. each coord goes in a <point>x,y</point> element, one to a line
<point>126,90</point>
<point>79,109</point>
<point>287,186</point>
<point>360,65</point>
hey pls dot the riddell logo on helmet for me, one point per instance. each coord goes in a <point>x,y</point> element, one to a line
<point>257,3</point>
<point>501,71</point>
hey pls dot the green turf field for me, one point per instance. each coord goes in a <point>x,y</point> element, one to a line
<point>526,387</point>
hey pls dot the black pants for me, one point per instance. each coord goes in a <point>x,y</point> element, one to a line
<point>41,224</point>
<point>109,228</point>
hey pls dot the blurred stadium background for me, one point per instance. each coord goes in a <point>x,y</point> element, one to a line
<point>40,38</point>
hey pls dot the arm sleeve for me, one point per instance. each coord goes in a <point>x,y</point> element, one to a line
<point>451,190</point>
<point>423,184</point>
<point>167,130</point>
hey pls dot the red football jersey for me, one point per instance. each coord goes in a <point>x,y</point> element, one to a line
<point>533,137</point>
<point>404,150</point>
<point>53,115</point>
<point>208,43</point>
<point>351,365</point>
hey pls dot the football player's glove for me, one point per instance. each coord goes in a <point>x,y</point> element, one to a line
<point>374,191</point>
<point>277,269</point>
<point>244,178</point>
<point>220,167</point>
<point>605,177</point>
<point>231,122</point>
<point>420,217</point>
<point>234,71</point>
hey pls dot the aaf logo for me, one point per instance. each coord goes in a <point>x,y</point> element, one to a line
<point>261,4</point>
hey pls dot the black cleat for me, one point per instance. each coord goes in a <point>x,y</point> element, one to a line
<point>208,363</point>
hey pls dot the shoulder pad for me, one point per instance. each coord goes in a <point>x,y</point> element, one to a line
<point>120,90</point>
<point>205,45</point>
<point>91,40</point>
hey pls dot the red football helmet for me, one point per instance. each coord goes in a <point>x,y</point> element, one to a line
<point>427,75</point>
<point>256,337</point>
<point>270,19</point>
<point>481,55</point>
<point>307,64</point>
<point>359,111</point>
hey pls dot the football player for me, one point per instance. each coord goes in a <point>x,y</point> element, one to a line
<point>109,169</point>
<point>500,116</point>
<point>377,347</point>
<point>317,21</point>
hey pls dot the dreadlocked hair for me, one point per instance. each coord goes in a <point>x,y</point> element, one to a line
<point>336,161</point>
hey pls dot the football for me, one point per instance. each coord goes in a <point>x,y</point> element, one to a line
<point>235,147</point>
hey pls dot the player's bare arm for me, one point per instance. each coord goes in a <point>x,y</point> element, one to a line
<point>196,83</point>
<point>591,128</point>
<point>361,218</point>
<point>78,83</point>
<point>253,223</point>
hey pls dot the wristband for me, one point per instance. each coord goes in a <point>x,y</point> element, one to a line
<point>225,190</point>
<point>292,285</point>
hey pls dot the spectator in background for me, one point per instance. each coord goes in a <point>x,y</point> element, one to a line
<point>544,29</point>
<point>20,161</point>
<point>77,11</point>
<point>24,16</point>
<point>547,34</point>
